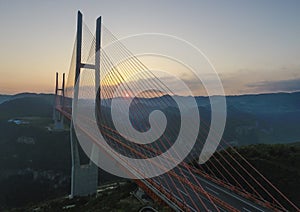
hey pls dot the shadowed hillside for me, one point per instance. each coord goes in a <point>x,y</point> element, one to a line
<point>279,163</point>
<point>35,161</point>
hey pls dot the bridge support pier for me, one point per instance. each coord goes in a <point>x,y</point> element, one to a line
<point>58,124</point>
<point>84,179</point>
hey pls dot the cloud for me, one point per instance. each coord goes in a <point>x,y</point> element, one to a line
<point>280,85</point>
<point>239,82</point>
<point>246,81</point>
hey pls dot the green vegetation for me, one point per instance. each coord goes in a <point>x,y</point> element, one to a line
<point>36,170</point>
<point>39,106</point>
<point>279,163</point>
<point>115,199</point>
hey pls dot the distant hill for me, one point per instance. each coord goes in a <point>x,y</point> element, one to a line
<point>257,118</point>
<point>266,103</point>
<point>26,104</point>
<point>264,118</point>
<point>4,98</point>
<point>251,119</point>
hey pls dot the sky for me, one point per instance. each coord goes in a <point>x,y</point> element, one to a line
<point>253,45</point>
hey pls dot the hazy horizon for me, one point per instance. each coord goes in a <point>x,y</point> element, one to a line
<point>227,95</point>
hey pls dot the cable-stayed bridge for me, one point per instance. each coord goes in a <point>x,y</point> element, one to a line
<point>226,182</point>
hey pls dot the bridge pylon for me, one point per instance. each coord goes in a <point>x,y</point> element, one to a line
<point>84,178</point>
<point>58,118</point>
